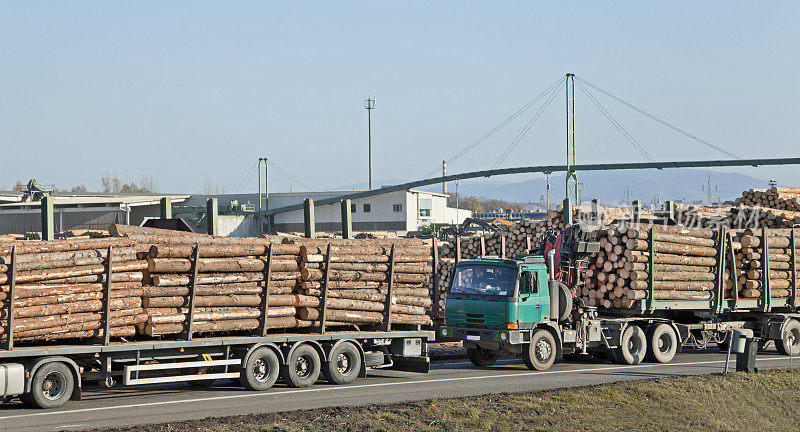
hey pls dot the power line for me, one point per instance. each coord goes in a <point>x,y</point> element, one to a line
<point>616,124</point>
<point>487,135</point>
<point>527,127</point>
<point>653,117</point>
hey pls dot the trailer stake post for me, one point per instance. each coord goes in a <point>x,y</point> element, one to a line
<point>107,298</point>
<point>765,279</point>
<point>793,266</point>
<point>192,287</point>
<point>651,272</point>
<point>389,291</point>
<point>9,345</point>
<point>436,297</point>
<point>265,301</point>
<point>323,318</point>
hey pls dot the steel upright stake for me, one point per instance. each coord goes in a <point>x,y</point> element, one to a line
<point>9,345</point>
<point>265,302</point>
<point>107,299</point>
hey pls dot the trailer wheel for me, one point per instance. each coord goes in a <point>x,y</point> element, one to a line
<point>633,346</point>
<point>481,357</point>
<point>541,353</point>
<point>344,364</point>
<point>662,343</point>
<point>790,339</point>
<point>302,368</point>
<point>261,370</point>
<point>52,386</point>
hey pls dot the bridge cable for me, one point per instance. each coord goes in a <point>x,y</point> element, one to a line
<point>616,123</point>
<point>527,128</point>
<point>653,117</point>
<point>246,178</point>
<point>491,132</point>
<point>289,175</point>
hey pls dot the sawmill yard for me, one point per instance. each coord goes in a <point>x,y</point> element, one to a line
<point>763,401</point>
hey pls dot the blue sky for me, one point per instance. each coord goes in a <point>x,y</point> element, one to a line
<point>192,92</point>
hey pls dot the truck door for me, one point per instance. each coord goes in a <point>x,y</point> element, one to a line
<point>531,307</point>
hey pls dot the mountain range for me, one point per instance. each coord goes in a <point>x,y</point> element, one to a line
<point>610,187</point>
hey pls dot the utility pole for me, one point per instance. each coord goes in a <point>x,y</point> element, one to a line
<point>265,198</point>
<point>444,174</point>
<point>369,105</point>
<point>547,191</point>
<point>457,216</point>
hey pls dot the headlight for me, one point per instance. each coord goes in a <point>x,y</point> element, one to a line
<point>444,332</point>
<point>503,336</point>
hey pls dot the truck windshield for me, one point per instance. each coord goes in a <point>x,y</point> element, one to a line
<point>483,279</point>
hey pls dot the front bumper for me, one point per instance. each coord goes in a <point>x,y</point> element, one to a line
<point>512,337</point>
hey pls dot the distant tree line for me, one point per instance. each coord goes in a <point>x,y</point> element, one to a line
<point>111,183</point>
<point>480,204</point>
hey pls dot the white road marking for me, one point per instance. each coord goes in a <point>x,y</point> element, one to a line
<point>360,386</point>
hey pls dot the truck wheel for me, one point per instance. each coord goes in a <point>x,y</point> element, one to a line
<point>790,339</point>
<point>261,370</point>
<point>302,368</point>
<point>51,387</point>
<point>481,357</point>
<point>662,343</point>
<point>633,346</point>
<point>541,352</point>
<point>344,364</point>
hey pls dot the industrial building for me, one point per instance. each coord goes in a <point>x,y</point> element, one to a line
<point>94,211</point>
<point>399,211</point>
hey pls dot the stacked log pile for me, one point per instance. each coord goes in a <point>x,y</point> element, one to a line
<point>684,263</point>
<point>359,275</point>
<point>780,198</point>
<point>750,259</point>
<point>229,291</point>
<point>60,289</point>
<point>757,217</point>
<point>516,238</point>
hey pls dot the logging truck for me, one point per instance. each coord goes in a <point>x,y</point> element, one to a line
<point>49,376</point>
<point>522,307</point>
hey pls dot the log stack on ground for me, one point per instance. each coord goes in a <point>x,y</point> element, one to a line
<point>359,275</point>
<point>60,289</point>
<point>780,198</point>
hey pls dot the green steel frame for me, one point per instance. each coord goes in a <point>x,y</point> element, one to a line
<point>545,169</point>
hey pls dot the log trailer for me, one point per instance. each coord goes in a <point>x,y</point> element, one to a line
<point>520,307</point>
<point>48,376</point>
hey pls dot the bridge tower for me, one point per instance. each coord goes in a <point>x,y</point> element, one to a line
<point>571,195</point>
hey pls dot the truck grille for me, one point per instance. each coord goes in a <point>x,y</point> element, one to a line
<point>475,318</point>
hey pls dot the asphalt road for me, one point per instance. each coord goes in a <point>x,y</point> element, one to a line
<point>155,404</point>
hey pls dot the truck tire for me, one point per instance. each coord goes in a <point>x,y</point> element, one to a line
<point>790,339</point>
<point>633,346</point>
<point>481,357</point>
<point>541,353</point>
<point>51,387</point>
<point>302,368</point>
<point>344,364</point>
<point>662,343</point>
<point>261,370</point>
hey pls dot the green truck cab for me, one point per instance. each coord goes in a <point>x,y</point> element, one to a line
<point>501,307</point>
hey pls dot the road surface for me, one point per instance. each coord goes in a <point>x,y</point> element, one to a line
<point>164,403</point>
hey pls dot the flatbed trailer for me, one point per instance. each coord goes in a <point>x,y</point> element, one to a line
<point>47,376</point>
